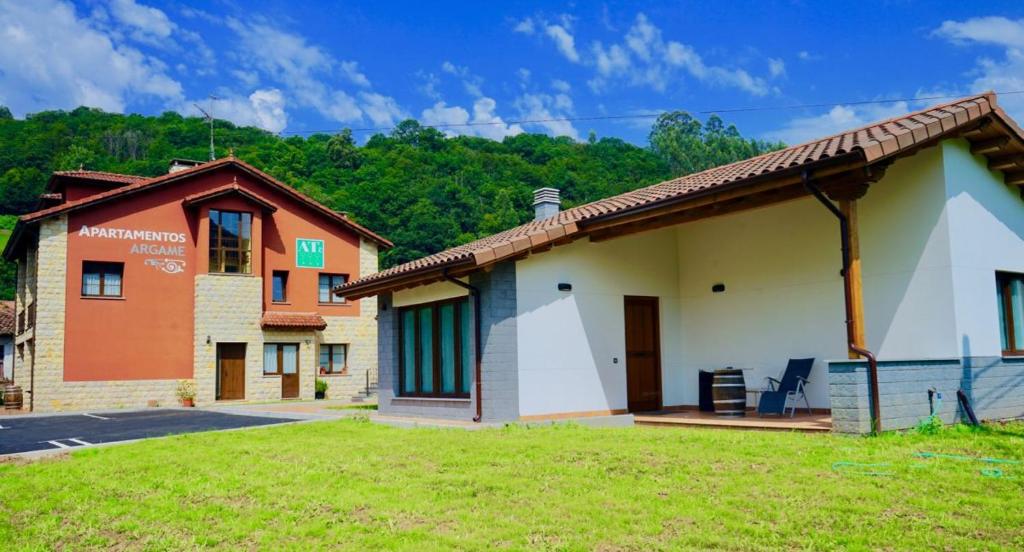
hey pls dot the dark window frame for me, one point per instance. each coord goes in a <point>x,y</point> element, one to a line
<point>332,299</point>
<point>435,349</point>
<point>103,268</point>
<point>243,253</point>
<point>1003,282</point>
<point>284,286</point>
<point>280,358</point>
<point>330,359</point>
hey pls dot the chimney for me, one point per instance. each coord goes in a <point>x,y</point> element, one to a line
<point>182,164</point>
<point>546,203</point>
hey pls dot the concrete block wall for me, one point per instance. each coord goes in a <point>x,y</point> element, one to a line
<point>498,335</point>
<point>995,387</point>
<point>500,378</point>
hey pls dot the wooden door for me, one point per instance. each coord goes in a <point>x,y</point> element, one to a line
<point>288,363</point>
<point>230,371</point>
<point>643,354</point>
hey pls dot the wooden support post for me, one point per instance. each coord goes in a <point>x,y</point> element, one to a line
<point>849,209</point>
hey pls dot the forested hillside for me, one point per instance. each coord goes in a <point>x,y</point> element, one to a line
<point>419,188</point>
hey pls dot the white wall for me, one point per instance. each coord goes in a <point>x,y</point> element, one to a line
<point>908,286</point>
<point>437,291</point>
<point>567,340</point>
<point>7,344</point>
<point>986,219</point>
<point>783,296</point>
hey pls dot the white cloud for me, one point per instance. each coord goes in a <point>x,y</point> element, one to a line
<point>549,111</point>
<point>837,119</point>
<point>351,71</point>
<point>382,110</point>
<point>147,23</point>
<point>987,30</point>
<point>1001,75</point>
<point>559,32</point>
<point>524,26</point>
<point>264,108</point>
<point>455,120</point>
<point>561,86</point>
<point>804,55</point>
<point>308,74</point>
<point>564,41</point>
<point>52,59</point>
<point>646,59</point>
<point>471,83</point>
<point>776,67</point>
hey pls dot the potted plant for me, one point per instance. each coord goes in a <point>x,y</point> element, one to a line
<point>186,392</point>
<point>321,388</point>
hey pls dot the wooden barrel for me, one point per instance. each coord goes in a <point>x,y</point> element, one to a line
<point>12,397</point>
<point>729,392</point>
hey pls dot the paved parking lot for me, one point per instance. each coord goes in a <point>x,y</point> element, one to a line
<point>32,433</point>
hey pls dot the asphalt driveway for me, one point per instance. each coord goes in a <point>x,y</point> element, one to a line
<point>33,433</point>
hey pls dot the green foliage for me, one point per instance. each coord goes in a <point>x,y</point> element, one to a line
<point>417,187</point>
<point>932,425</point>
<point>689,147</point>
<point>321,385</point>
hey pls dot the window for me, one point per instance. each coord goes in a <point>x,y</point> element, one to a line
<point>327,283</point>
<point>333,359</point>
<point>435,349</point>
<point>101,279</point>
<point>279,293</point>
<point>280,358</point>
<point>1010,289</point>
<point>230,242</point>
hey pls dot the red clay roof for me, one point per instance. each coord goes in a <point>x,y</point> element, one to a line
<point>196,199</point>
<point>141,184</point>
<point>293,320</point>
<point>870,143</point>
<point>102,176</point>
<point>7,318</point>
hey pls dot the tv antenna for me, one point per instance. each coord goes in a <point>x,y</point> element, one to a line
<point>209,118</point>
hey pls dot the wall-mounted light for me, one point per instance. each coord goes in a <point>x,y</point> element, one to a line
<point>564,286</point>
<point>718,288</point>
<point>208,341</point>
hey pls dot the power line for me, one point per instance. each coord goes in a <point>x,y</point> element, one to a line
<point>650,115</point>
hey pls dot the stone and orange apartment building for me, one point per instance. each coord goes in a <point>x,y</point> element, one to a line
<point>214,272</point>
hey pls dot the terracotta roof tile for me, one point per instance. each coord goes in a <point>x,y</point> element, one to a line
<point>142,183</point>
<point>293,320</point>
<point>103,176</point>
<point>874,142</point>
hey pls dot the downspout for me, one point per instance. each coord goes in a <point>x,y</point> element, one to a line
<point>876,411</point>
<point>477,352</point>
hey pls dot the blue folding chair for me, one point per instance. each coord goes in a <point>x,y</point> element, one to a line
<point>777,395</point>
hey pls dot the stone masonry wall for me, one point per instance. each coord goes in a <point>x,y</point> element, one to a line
<point>51,392</point>
<point>995,387</point>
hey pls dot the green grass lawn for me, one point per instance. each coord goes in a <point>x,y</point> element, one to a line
<point>353,484</point>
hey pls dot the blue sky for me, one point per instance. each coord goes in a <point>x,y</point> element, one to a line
<point>296,67</point>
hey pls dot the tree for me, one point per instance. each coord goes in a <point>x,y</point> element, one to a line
<point>343,151</point>
<point>688,146</point>
<point>20,189</point>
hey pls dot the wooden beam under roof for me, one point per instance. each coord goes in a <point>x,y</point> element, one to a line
<point>989,146</point>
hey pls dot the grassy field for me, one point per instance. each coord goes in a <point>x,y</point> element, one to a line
<point>353,484</point>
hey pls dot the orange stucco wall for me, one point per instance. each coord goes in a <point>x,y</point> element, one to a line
<point>147,334</point>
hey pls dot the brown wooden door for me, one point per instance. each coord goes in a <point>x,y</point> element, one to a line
<point>643,354</point>
<point>288,360</point>
<point>230,371</point>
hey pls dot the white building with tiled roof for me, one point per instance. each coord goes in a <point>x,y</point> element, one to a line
<point>892,255</point>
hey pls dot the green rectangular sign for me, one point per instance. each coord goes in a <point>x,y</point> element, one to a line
<point>309,253</point>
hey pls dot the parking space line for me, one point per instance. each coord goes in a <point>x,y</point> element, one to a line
<point>79,441</point>
<point>95,416</point>
<point>58,444</point>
